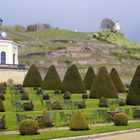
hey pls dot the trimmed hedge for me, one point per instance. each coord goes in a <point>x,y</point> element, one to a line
<point>79,121</point>
<point>121,119</point>
<point>32,78</point>
<point>72,81</point>
<point>133,96</point>
<point>52,80</point>
<point>103,85</point>
<point>117,81</point>
<point>89,78</point>
<point>28,127</point>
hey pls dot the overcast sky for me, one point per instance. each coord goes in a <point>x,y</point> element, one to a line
<point>81,15</point>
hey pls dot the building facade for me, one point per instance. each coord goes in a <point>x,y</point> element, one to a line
<point>8,51</point>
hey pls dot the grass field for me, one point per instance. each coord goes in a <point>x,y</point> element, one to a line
<point>91,105</point>
<point>67,133</point>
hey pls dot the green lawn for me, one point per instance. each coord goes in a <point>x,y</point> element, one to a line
<point>67,133</point>
<point>91,104</point>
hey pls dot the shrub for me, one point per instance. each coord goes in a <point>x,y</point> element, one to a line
<point>39,91</point>
<point>117,81</point>
<point>121,119</point>
<point>103,102</point>
<point>2,122</point>
<point>81,104</point>
<point>52,80</point>
<point>133,96</point>
<point>2,109</point>
<point>46,96</point>
<point>45,120</point>
<point>28,106</point>
<point>122,102</point>
<point>72,81</point>
<point>89,78</point>
<point>4,89</point>
<point>2,96</point>
<point>67,95</point>
<point>24,96</point>
<point>28,127</point>
<point>32,78</point>
<point>79,121</point>
<point>56,106</point>
<point>103,85</point>
<point>84,96</point>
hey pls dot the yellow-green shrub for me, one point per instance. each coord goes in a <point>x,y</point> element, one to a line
<point>79,121</point>
<point>28,127</point>
<point>121,119</point>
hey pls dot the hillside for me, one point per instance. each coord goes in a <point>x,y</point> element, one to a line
<point>62,48</point>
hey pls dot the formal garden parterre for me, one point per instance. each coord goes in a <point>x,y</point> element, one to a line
<point>73,102</point>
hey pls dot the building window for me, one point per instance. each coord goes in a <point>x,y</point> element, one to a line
<point>13,58</point>
<point>3,58</point>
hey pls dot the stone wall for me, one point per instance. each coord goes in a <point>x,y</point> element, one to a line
<point>16,75</point>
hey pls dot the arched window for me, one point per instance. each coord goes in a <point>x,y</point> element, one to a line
<point>3,58</point>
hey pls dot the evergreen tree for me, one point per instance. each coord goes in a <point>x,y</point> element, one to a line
<point>89,78</point>
<point>32,78</point>
<point>103,85</point>
<point>133,96</point>
<point>117,81</point>
<point>72,81</point>
<point>52,80</point>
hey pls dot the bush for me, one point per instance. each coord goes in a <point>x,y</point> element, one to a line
<point>84,96</point>
<point>2,96</point>
<point>28,106</point>
<point>46,97</point>
<point>32,78</point>
<point>117,81</point>
<point>103,102</point>
<point>89,78</point>
<point>2,122</point>
<point>79,121</point>
<point>122,102</point>
<point>57,106</point>
<point>45,121</point>
<point>39,91</point>
<point>4,89</point>
<point>72,81</point>
<point>67,95</point>
<point>52,80</point>
<point>133,96</point>
<point>2,109</point>
<point>121,119</point>
<point>103,85</point>
<point>28,127</point>
<point>81,104</point>
<point>24,96</point>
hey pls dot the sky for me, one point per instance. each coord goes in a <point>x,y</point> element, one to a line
<point>81,15</point>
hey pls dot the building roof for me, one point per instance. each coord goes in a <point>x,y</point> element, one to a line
<point>8,40</point>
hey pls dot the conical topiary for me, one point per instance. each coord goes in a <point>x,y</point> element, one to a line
<point>72,81</point>
<point>79,121</point>
<point>103,85</point>
<point>117,81</point>
<point>52,80</point>
<point>89,78</point>
<point>133,96</point>
<point>32,78</point>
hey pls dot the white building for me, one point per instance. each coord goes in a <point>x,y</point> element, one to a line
<point>117,27</point>
<point>8,51</point>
